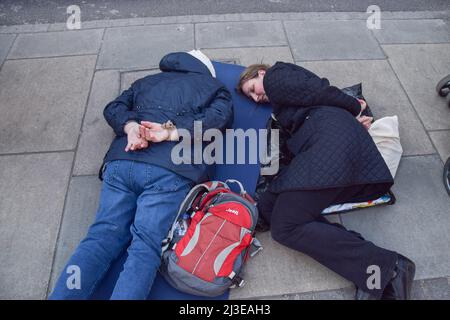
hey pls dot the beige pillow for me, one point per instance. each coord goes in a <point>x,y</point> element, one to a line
<point>384,133</point>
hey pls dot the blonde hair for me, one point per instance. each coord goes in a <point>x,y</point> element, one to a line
<point>249,73</point>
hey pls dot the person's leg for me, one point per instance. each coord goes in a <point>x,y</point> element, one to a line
<point>106,238</point>
<point>297,223</point>
<point>157,206</point>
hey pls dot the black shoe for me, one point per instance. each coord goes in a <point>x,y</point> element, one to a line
<point>399,288</point>
<point>362,295</point>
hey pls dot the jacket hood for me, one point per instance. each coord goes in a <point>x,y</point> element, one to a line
<point>186,62</point>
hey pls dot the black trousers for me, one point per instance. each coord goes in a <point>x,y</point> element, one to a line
<point>295,221</point>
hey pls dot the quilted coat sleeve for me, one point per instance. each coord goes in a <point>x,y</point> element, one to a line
<point>287,84</point>
<point>334,97</point>
<point>119,111</point>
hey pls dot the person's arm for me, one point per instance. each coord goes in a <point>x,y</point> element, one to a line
<point>120,111</point>
<point>334,97</point>
<point>293,85</point>
<point>217,115</point>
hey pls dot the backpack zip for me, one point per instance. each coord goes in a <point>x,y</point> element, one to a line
<point>210,243</point>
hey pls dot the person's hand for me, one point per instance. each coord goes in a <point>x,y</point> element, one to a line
<point>365,121</point>
<point>135,140</point>
<point>153,131</point>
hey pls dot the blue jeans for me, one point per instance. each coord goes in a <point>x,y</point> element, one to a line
<point>138,204</point>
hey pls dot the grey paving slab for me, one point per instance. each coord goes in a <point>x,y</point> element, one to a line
<point>43,101</point>
<point>338,294</point>
<point>429,289</point>
<point>32,191</point>
<point>239,34</point>
<point>441,140</point>
<point>413,31</point>
<point>332,40</point>
<point>419,68</point>
<point>79,214</point>
<point>279,270</point>
<point>6,41</point>
<point>384,95</point>
<point>248,56</point>
<point>96,134</point>
<point>52,44</point>
<point>144,46</point>
<point>417,225</point>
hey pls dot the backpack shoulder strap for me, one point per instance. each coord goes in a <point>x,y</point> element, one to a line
<point>242,191</point>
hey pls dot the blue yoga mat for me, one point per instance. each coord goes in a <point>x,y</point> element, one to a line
<point>246,115</point>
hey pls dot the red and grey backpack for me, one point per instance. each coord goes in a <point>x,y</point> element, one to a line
<point>211,240</point>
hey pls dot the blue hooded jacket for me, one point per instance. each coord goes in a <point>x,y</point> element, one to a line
<point>183,92</point>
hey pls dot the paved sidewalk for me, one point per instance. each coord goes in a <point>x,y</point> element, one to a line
<point>55,83</point>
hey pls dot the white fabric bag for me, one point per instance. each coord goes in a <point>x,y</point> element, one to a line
<point>384,133</point>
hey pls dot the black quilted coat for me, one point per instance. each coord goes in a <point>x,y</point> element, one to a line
<point>329,148</point>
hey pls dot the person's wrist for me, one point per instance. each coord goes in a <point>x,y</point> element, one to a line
<point>173,134</point>
<point>130,125</point>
